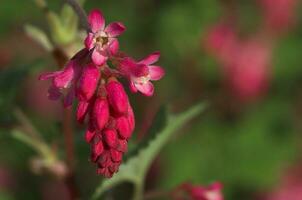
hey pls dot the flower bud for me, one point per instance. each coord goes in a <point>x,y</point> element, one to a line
<point>100,113</point>
<point>82,111</point>
<point>105,159</point>
<point>105,172</point>
<point>110,137</point>
<point>131,118</point>
<point>98,148</point>
<point>122,146</point>
<point>115,155</point>
<point>89,134</point>
<point>114,167</point>
<point>117,97</point>
<point>123,127</point>
<point>88,82</point>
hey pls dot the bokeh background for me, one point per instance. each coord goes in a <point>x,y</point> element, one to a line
<point>243,57</point>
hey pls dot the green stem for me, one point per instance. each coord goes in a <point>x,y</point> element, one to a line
<point>138,190</point>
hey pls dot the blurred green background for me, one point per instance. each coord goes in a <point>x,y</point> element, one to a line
<point>250,146</point>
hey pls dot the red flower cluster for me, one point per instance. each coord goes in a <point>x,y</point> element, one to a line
<point>101,97</point>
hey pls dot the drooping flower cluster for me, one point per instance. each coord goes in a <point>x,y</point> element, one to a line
<point>91,77</point>
<point>188,191</point>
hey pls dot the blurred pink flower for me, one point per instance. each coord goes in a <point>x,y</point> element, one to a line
<point>249,72</point>
<point>245,64</point>
<point>221,40</point>
<point>290,187</point>
<point>198,192</point>
<point>279,15</point>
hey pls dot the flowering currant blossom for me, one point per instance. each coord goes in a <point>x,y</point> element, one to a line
<point>101,40</point>
<point>140,73</point>
<point>197,192</point>
<point>102,101</point>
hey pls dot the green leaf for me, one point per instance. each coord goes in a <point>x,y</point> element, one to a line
<point>39,36</point>
<point>159,123</point>
<point>135,169</point>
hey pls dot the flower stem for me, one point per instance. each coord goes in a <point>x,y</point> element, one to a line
<point>138,190</point>
<point>80,12</point>
<point>61,59</point>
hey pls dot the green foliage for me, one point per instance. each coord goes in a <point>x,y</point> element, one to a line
<point>247,154</point>
<point>159,123</point>
<point>39,36</point>
<point>11,80</point>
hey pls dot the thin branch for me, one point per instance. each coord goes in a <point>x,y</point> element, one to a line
<point>68,137</point>
<point>80,12</point>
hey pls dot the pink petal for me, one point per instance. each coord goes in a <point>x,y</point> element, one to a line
<point>114,47</point>
<point>48,75</point>
<point>98,58</point>
<point>150,59</point>
<point>147,88</point>
<point>69,98</point>
<point>82,110</point>
<point>96,20</point>
<point>156,72</point>
<point>89,41</point>
<point>115,29</point>
<point>132,87</point>
<point>69,73</point>
<point>139,70</point>
<point>125,66</point>
<point>54,93</point>
<point>63,79</point>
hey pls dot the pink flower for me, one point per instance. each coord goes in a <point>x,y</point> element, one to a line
<point>279,14</point>
<point>221,40</point>
<point>212,192</point>
<point>102,40</point>
<point>63,79</point>
<point>250,70</point>
<point>198,192</point>
<point>140,74</point>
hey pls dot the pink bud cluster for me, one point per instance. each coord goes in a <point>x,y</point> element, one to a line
<point>197,192</point>
<point>102,101</point>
